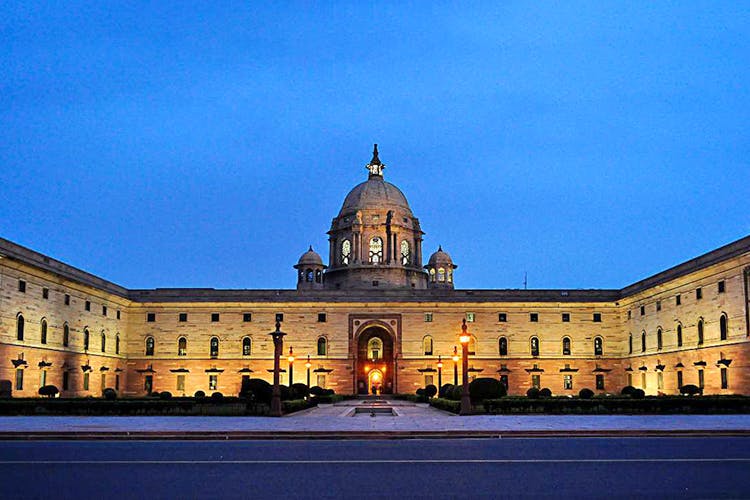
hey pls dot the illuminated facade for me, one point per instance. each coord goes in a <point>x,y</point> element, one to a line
<point>374,319</point>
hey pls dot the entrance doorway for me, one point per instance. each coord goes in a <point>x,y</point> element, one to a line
<point>375,361</point>
<point>375,385</point>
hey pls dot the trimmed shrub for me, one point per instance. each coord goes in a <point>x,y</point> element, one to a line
<point>316,390</point>
<point>545,393</point>
<point>430,391</point>
<point>627,390</point>
<point>638,394</point>
<point>688,390</point>
<point>153,394</point>
<point>285,392</point>
<point>486,388</point>
<point>165,395</point>
<point>585,393</point>
<point>199,395</point>
<point>445,390</point>
<point>217,397</point>
<point>456,392</point>
<point>300,391</point>
<point>532,393</point>
<point>49,391</point>
<point>109,394</point>
<point>258,388</point>
<point>446,404</point>
<point>420,392</point>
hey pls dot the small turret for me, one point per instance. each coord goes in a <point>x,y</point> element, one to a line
<point>440,268</point>
<point>310,271</point>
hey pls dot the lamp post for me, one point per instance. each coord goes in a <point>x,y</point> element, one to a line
<point>465,396</point>
<point>291,366</point>
<point>455,365</point>
<point>308,365</point>
<point>440,372</point>
<point>278,347</point>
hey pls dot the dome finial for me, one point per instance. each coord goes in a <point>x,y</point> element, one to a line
<point>375,166</point>
<point>310,249</point>
<point>440,248</point>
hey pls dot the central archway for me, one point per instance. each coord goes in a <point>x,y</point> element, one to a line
<point>375,355</point>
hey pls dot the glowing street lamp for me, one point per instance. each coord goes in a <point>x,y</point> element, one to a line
<point>464,338</point>
<point>440,371</point>
<point>455,366</point>
<point>291,366</point>
<point>278,347</point>
<point>308,365</point>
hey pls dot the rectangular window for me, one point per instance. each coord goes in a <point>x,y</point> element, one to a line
<point>534,317</point>
<point>567,382</point>
<point>469,317</point>
<point>45,293</point>
<point>322,317</point>
<point>722,289</point>
<point>43,378</point>
<point>504,381</point>
<point>679,380</point>
<point>183,317</point>
<point>67,299</point>
<point>724,379</point>
<point>428,317</point>
<point>87,305</point>
<point>701,381</point>
<point>597,317</point>
<point>536,382</point>
<point>117,381</point>
<point>104,381</point>
<point>118,314</point>
<point>19,379</point>
<point>214,317</point>
<point>658,305</point>
<point>428,380</point>
<point>148,384</point>
<point>181,383</point>
<point>150,317</point>
<point>566,317</point>
<point>643,310</point>
<point>86,381</point>
<point>22,286</point>
<point>279,317</point>
<point>678,300</point>
<point>643,380</point>
<point>213,382</point>
<point>698,293</point>
<point>599,382</point>
<point>502,317</point>
<point>65,381</point>
<point>660,380</point>
<point>104,310</point>
<point>322,381</point>
<point>630,315</point>
<point>247,317</point>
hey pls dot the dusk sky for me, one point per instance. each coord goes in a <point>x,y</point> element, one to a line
<point>169,144</point>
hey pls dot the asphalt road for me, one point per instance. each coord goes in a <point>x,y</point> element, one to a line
<point>541,467</point>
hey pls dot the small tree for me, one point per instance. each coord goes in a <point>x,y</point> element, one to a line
<point>430,391</point>
<point>545,393</point>
<point>199,395</point>
<point>585,393</point>
<point>445,390</point>
<point>486,388</point>
<point>532,393</point>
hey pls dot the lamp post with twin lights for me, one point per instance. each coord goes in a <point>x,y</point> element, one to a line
<point>278,347</point>
<point>465,396</point>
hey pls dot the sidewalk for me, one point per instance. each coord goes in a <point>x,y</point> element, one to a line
<point>337,421</point>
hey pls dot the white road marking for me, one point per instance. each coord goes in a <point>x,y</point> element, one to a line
<point>370,462</point>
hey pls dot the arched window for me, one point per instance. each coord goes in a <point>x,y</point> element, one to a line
<point>405,253</point>
<point>322,346</point>
<point>700,331</point>
<point>427,345</point>
<point>723,327</point>
<point>566,346</point>
<point>117,343</point>
<point>473,345</point>
<point>449,274</point>
<point>346,252</point>
<point>534,344</point>
<point>182,346</point>
<point>659,339</point>
<point>679,335</point>
<point>374,348</point>
<point>20,324</point>
<point>376,250</point>
<point>86,339</point>
<point>318,276</point>
<point>66,335</point>
<point>441,275</point>
<point>630,344</point>
<point>502,346</point>
<point>598,346</point>
<point>247,346</point>
<point>44,332</point>
<point>104,341</point>
<point>149,346</point>
<point>643,341</point>
<point>309,276</point>
<point>214,347</point>
<point>432,275</point>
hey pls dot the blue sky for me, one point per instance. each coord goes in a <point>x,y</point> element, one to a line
<point>160,144</point>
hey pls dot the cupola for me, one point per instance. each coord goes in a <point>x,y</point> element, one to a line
<point>440,270</point>
<point>310,269</point>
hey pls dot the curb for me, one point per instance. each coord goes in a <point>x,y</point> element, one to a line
<point>357,435</point>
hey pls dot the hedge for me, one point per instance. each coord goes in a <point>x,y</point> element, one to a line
<point>620,405</point>
<point>117,407</point>
<point>446,404</point>
<point>293,405</point>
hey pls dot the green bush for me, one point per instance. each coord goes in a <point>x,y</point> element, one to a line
<point>545,393</point>
<point>420,391</point>
<point>49,391</point>
<point>109,394</point>
<point>532,393</point>
<point>445,390</point>
<point>165,395</point>
<point>585,393</point>
<point>486,388</point>
<point>300,391</point>
<point>688,390</point>
<point>446,404</point>
<point>217,397</point>
<point>456,392</point>
<point>296,405</point>
<point>316,390</point>
<point>430,391</point>
<point>260,390</point>
<point>638,394</point>
<point>199,395</point>
<point>627,390</point>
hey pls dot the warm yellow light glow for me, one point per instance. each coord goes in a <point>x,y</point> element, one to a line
<point>308,365</point>
<point>367,369</point>
<point>464,338</point>
<point>290,359</point>
<point>455,358</point>
<point>375,376</point>
<point>440,365</point>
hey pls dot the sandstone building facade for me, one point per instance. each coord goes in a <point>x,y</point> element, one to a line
<point>374,319</point>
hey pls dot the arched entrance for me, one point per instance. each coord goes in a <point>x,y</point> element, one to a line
<point>375,368</point>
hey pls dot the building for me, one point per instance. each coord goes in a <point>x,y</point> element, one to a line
<point>374,319</point>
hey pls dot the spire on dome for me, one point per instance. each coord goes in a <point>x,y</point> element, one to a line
<point>375,167</point>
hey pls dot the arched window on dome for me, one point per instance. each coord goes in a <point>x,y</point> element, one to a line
<point>405,253</point>
<point>376,250</point>
<point>427,345</point>
<point>449,275</point>
<point>441,275</point>
<point>318,276</point>
<point>432,275</point>
<point>309,275</point>
<point>346,252</point>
